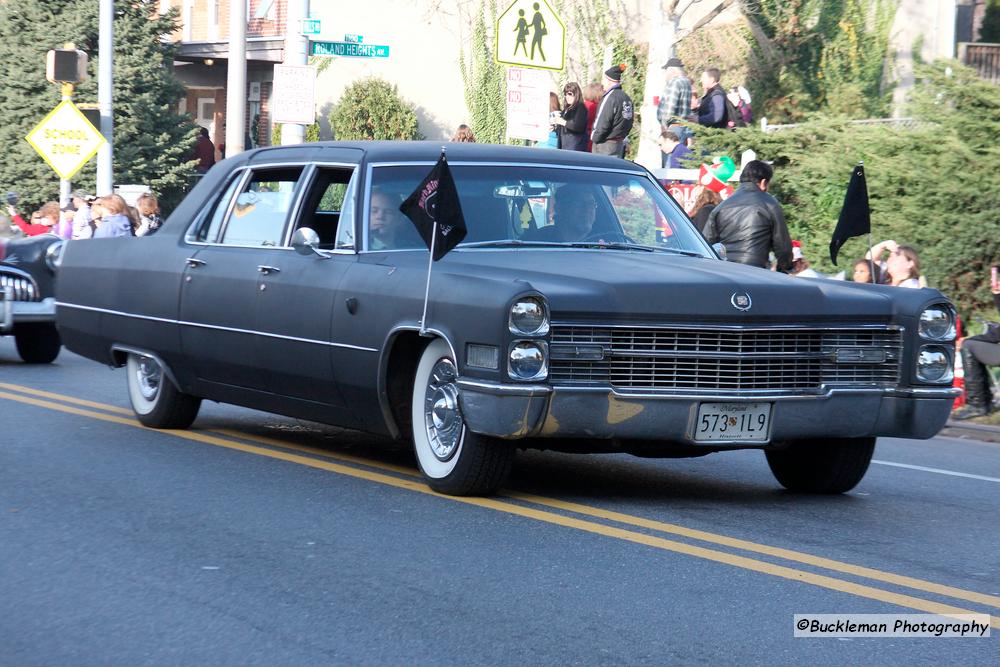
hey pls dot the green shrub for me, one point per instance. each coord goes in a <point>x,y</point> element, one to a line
<point>929,187</point>
<point>372,109</point>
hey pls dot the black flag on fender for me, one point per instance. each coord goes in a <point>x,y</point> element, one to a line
<point>855,217</point>
<point>435,210</point>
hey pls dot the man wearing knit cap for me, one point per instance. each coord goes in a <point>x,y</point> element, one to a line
<point>615,116</point>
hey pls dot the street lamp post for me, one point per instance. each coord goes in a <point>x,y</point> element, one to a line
<point>105,86</point>
<point>236,78</point>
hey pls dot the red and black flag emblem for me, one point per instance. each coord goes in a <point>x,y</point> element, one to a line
<point>435,210</point>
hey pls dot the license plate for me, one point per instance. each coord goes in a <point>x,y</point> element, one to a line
<point>733,421</point>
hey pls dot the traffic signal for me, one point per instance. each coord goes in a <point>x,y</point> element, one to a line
<point>65,66</point>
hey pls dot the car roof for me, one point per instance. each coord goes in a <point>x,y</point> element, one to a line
<point>428,151</point>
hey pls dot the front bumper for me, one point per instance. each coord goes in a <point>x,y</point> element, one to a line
<point>511,412</point>
<point>20,312</point>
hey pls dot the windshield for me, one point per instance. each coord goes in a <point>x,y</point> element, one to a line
<point>522,204</point>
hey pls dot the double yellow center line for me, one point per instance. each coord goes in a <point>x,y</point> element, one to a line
<point>539,508</point>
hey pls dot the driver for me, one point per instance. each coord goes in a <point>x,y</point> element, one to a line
<point>575,212</point>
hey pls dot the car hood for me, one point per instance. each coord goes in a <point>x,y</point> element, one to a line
<point>582,283</point>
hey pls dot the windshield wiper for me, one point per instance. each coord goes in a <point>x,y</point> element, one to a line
<point>610,246</point>
<point>512,243</point>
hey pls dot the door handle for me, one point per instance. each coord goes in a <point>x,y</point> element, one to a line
<point>194,263</point>
<point>263,268</point>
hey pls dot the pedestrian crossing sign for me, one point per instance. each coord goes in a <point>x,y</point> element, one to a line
<point>529,33</point>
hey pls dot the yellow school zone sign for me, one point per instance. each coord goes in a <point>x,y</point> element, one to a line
<point>65,139</point>
<point>529,33</point>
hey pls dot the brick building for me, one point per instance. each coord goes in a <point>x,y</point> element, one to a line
<point>202,61</point>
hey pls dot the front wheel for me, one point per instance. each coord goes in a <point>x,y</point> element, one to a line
<point>453,459</point>
<point>825,465</point>
<point>37,343</point>
<point>155,400</point>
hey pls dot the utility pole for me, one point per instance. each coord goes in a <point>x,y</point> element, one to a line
<point>236,79</point>
<point>105,88</point>
<point>296,53</point>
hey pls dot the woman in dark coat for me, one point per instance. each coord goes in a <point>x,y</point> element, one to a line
<point>573,124</point>
<point>703,205</point>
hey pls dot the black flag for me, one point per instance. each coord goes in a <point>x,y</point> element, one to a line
<point>855,218</point>
<point>435,210</point>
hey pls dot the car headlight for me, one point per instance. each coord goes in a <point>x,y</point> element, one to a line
<point>529,317</point>
<point>528,360</point>
<point>934,364</point>
<point>53,255</point>
<point>937,323</point>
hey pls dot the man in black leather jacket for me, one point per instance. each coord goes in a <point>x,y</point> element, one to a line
<point>750,223</point>
<point>615,116</point>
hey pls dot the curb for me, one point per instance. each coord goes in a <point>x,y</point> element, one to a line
<point>965,430</point>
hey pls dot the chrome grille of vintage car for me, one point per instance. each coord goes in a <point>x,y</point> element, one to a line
<point>674,359</point>
<point>21,287</point>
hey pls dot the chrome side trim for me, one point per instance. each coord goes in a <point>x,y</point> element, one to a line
<point>62,304</point>
<point>199,325</point>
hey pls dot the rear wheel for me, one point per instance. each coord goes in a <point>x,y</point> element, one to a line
<point>827,465</point>
<point>453,459</point>
<point>37,343</point>
<point>155,400</point>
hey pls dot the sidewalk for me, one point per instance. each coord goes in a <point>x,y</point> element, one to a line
<point>971,431</point>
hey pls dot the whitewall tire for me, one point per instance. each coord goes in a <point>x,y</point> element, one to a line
<point>453,459</point>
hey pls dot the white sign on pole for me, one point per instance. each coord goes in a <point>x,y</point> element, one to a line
<point>528,103</point>
<point>293,98</point>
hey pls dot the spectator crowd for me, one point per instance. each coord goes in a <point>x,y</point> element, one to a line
<point>87,216</point>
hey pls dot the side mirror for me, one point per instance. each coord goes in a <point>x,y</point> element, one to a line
<point>719,248</point>
<point>306,242</point>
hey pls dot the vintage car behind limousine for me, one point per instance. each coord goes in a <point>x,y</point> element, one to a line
<point>27,304</point>
<point>582,312</point>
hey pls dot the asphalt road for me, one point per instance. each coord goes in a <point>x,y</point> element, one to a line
<point>259,540</point>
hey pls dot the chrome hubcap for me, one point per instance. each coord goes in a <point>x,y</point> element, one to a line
<point>442,415</point>
<point>149,376</point>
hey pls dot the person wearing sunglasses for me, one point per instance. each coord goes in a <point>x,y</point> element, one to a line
<point>573,122</point>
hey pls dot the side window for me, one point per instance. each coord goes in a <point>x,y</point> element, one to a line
<point>345,232</point>
<point>208,231</point>
<point>325,206</point>
<point>258,218</point>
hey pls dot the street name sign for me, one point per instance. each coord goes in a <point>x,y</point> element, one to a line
<point>311,26</point>
<point>65,139</point>
<point>348,50</point>
<point>293,98</point>
<point>528,103</point>
<point>529,33</point>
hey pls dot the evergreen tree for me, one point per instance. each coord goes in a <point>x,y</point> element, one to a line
<point>152,143</point>
<point>28,29</point>
<point>989,31</point>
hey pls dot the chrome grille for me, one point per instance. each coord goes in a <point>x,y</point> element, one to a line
<point>21,287</point>
<point>670,359</point>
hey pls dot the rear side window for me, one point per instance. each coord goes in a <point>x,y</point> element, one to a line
<point>261,209</point>
<point>208,231</point>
